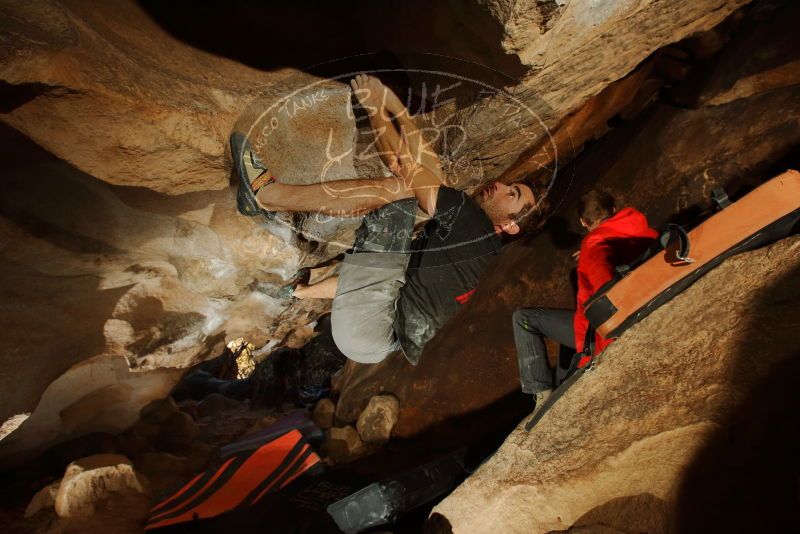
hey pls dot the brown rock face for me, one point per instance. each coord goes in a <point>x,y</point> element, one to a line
<point>323,414</point>
<point>125,287</point>
<point>165,471</point>
<point>44,499</point>
<point>664,163</point>
<point>689,411</point>
<point>122,101</point>
<point>216,403</point>
<point>102,492</point>
<point>127,244</point>
<point>91,480</point>
<point>145,109</point>
<point>342,443</point>
<point>563,48</point>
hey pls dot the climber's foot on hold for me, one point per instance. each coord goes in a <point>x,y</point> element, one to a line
<point>252,173</point>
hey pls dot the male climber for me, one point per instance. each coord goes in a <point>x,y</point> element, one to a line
<point>614,238</point>
<point>422,246</point>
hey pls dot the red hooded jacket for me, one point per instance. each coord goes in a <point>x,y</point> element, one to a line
<point>618,240</point>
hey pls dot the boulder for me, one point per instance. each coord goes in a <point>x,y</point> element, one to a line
<point>664,150</point>
<point>90,480</point>
<point>152,463</point>
<point>323,414</point>
<point>686,420</point>
<point>178,433</point>
<point>309,375</point>
<point>342,444</point>
<point>143,435</point>
<point>162,426</point>
<point>45,499</point>
<point>164,471</point>
<point>157,412</point>
<point>215,404</point>
<point>376,422</point>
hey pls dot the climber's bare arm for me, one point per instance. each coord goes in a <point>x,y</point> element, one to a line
<point>342,198</point>
<point>423,183</point>
<point>352,198</point>
<point>405,151</point>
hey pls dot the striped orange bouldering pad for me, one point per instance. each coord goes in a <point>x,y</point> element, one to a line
<point>241,481</point>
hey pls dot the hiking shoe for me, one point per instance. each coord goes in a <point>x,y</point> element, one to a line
<point>300,277</point>
<point>252,174</point>
<point>539,399</point>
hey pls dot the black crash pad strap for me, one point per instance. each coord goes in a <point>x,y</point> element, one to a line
<point>684,246</point>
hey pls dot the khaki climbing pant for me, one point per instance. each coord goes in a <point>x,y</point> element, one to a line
<point>362,319</point>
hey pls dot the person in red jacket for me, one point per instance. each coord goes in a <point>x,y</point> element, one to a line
<point>614,238</point>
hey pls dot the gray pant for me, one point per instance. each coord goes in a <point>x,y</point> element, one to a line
<point>362,319</point>
<point>531,326</point>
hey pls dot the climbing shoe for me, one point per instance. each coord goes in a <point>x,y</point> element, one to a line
<point>252,174</point>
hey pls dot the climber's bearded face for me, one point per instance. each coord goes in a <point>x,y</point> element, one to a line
<point>504,204</point>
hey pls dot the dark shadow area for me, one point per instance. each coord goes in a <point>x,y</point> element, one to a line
<point>28,200</point>
<point>271,34</point>
<point>287,375</point>
<point>13,96</point>
<point>158,327</point>
<point>61,237</point>
<point>329,39</point>
<point>19,485</point>
<point>746,478</point>
<point>635,513</point>
<point>20,152</point>
<point>611,156</point>
<point>558,229</point>
<point>300,508</point>
<point>737,185</point>
<point>42,171</point>
<point>51,200</point>
<point>437,524</point>
<point>773,21</point>
<point>43,339</point>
